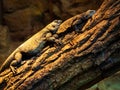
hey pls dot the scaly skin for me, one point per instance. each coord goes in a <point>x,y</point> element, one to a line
<point>76,20</point>
<point>32,46</point>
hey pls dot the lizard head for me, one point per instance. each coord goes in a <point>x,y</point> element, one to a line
<point>89,13</point>
<point>55,25</point>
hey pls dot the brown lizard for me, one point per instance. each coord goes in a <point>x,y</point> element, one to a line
<point>31,47</point>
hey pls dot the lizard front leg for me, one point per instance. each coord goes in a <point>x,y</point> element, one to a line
<point>16,61</point>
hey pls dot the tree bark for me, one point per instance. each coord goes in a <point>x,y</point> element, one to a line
<point>82,60</point>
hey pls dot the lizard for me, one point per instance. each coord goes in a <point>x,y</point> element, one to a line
<point>31,46</point>
<point>75,21</point>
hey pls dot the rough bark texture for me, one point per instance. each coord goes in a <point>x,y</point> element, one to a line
<point>82,60</point>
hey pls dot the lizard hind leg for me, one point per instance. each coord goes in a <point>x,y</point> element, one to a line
<point>16,61</point>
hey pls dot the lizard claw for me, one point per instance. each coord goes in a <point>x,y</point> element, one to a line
<point>13,70</point>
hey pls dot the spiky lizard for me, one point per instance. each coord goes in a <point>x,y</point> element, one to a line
<point>32,46</point>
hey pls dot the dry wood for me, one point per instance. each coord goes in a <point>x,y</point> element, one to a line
<point>80,61</point>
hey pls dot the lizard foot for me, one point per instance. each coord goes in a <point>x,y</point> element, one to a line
<point>15,62</point>
<point>12,66</point>
<point>13,70</point>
